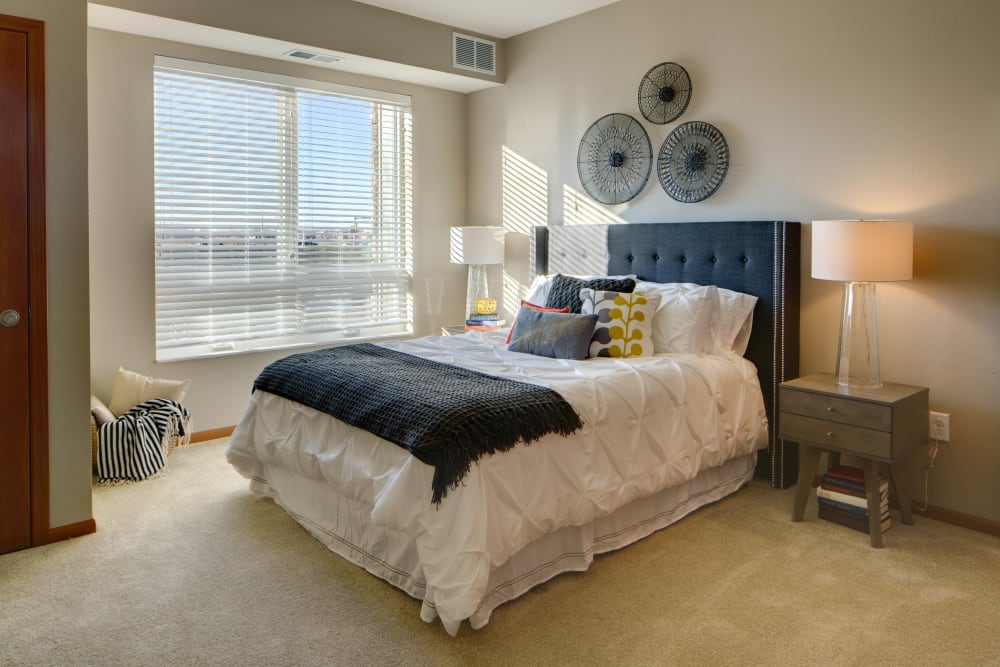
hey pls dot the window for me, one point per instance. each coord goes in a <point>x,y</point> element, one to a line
<point>282,211</point>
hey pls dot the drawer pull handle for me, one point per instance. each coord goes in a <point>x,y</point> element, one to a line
<point>829,434</point>
<point>829,409</point>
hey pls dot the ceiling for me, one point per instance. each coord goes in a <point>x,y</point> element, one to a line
<point>502,19</point>
<point>495,19</point>
<point>158,27</point>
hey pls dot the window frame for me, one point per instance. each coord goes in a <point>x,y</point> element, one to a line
<point>398,235</point>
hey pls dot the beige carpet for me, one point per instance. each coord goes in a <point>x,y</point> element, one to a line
<point>191,568</point>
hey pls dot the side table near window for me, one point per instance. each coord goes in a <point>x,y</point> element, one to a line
<point>881,427</point>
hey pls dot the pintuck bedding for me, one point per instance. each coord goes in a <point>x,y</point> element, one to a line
<point>663,433</point>
<point>651,425</point>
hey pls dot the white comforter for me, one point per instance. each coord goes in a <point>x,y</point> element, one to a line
<point>649,423</point>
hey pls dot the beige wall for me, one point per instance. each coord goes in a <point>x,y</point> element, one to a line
<point>121,215</point>
<point>338,25</point>
<point>854,108</point>
<point>66,240</point>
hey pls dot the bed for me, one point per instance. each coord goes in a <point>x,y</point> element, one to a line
<point>662,435</point>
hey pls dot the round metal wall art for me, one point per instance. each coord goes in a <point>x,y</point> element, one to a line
<point>664,92</point>
<point>614,158</point>
<point>693,161</point>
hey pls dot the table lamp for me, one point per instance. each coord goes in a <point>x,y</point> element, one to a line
<point>477,247</point>
<point>861,253</point>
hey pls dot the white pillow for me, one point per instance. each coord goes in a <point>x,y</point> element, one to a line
<point>684,321</point>
<point>131,389</point>
<point>732,321</point>
<point>538,292</point>
<point>735,320</point>
<point>102,414</point>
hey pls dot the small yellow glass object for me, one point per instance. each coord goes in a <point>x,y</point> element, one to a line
<point>485,306</point>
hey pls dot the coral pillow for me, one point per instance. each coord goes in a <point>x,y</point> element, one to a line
<point>532,306</point>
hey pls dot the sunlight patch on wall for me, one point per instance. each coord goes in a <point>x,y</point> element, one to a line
<point>580,209</point>
<point>578,250</point>
<point>525,206</point>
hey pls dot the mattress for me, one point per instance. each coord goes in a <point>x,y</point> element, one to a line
<point>650,424</point>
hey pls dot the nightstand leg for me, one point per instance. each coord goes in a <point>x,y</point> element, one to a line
<point>874,502</point>
<point>808,460</point>
<point>900,485</point>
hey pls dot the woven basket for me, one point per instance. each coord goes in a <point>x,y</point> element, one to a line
<point>171,440</point>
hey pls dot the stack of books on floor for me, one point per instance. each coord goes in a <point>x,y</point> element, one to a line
<point>477,322</point>
<point>842,498</point>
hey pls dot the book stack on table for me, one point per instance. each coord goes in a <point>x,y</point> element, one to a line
<point>842,498</point>
<point>479,322</point>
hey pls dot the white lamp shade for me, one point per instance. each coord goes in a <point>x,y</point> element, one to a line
<point>477,245</point>
<point>862,250</point>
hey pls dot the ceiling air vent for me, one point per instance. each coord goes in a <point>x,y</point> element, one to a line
<point>302,54</point>
<point>474,53</point>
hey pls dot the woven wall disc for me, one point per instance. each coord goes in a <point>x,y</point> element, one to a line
<point>614,158</point>
<point>664,92</point>
<point>693,161</point>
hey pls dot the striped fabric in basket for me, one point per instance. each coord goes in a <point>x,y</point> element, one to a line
<point>135,446</point>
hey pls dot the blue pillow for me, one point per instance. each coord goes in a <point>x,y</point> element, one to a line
<point>565,290</point>
<point>556,335</point>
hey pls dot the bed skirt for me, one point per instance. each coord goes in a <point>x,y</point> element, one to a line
<point>343,525</point>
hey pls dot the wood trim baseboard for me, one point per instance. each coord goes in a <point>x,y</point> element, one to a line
<point>945,515</point>
<point>212,434</point>
<point>976,523</point>
<point>70,530</point>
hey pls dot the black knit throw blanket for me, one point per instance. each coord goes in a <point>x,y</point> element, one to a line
<point>446,416</point>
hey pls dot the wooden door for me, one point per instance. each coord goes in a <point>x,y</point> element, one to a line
<point>22,482</point>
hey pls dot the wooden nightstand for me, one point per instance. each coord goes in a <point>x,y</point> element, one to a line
<point>879,426</point>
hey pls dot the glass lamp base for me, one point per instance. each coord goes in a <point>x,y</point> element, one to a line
<point>478,287</point>
<point>857,350</point>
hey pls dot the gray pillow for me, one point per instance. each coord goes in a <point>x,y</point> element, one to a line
<point>556,335</point>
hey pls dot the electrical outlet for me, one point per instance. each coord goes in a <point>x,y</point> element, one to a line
<point>940,426</point>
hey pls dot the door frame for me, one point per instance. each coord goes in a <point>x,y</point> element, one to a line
<point>38,385</point>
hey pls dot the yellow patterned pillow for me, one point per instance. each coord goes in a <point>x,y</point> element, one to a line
<point>624,322</point>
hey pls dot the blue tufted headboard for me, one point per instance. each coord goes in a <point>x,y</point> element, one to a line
<point>756,257</point>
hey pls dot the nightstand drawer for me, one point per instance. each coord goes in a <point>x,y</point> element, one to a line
<point>841,437</point>
<point>843,410</point>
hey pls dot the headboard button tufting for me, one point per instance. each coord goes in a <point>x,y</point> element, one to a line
<point>683,258</point>
<point>631,258</point>
<point>714,260</point>
<point>656,258</point>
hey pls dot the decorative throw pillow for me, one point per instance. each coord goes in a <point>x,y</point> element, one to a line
<point>565,290</point>
<point>538,291</point>
<point>131,389</point>
<point>528,304</point>
<point>551,334</point>
<point>624,322</point>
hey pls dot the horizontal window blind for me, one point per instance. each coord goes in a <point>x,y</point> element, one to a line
<point>282,213</point>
